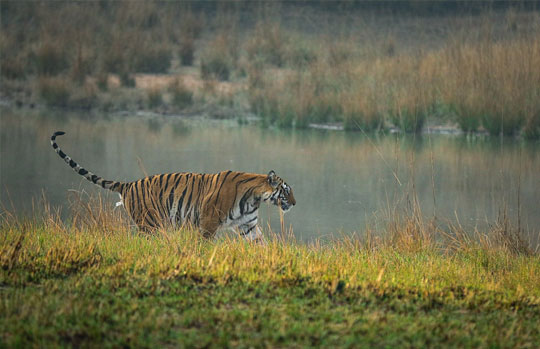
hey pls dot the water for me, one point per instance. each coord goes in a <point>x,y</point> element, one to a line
<point>343,182</point>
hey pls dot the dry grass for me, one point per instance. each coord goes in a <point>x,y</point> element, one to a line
<point>481,72</point>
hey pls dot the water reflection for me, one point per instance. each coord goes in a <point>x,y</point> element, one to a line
<point>342,181</point>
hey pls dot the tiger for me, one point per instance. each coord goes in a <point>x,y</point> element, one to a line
<point>208,202</point>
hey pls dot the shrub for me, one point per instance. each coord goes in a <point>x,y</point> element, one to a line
<point>152,60</point>
<point>468,122</point>
<point>13,68</point>
<point>114,58</point>
<point>360,111</point>
<point>82,66</point>
<point>49,59</point>
<point>409,120</point>
<point>301,55</point>
<point>218,61</point>
<point>154,98</point>
<point>339,53</point>
<point>268,43</point>
<point>84,97</point>
<point>531,130</point>
<point>215,66</point>
<point>102,80</point>
<point>126,79</point>
<point>182,97</point>
<point>55,91</point>
<point>505,123</point>
<point>187,49</point>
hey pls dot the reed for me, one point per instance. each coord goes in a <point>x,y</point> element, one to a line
<point>480,72</point>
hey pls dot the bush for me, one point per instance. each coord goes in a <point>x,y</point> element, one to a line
<point>409,120</point>
<point>152,60</point>
<point>126,79</point>
<point>154,98</point>
<point>468,122</point>
<point>301,55</point>
<point>219,60</point>
<point>82,66</point>
<point>83,97</point>
<point>362,122</point>
<point>13,68</point>
<point>215,67</point>
<point>504,123</point>
<point>102,80</point>
<point>187,49</point>
<point>55,91</point>
<point>531,130</point>
<point>269,44</point>
<point>49,59</point>
<point>182,97</point>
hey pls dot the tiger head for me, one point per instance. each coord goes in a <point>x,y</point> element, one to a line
<point>282,194</point>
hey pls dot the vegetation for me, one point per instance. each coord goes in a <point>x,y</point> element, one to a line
<point>94,281</point>
<point>476,67</point>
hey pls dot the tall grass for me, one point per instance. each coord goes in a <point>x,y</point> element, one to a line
<point>481,72</point>
<point>93,271</point>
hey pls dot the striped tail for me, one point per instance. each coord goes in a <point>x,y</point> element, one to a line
<point>111,185</point>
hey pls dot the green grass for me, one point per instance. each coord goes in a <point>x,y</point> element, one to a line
<point>95,282</point>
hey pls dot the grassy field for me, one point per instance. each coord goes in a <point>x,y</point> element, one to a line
<point>365,67</point>
<point>94,282</point>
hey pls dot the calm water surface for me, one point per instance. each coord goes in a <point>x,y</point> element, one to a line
<point>343,182</point>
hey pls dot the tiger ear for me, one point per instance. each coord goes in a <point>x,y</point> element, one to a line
<point>272,179</point>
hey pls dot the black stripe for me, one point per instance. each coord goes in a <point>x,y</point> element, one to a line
<point>254,209</point>
<point>94,178</point>
<point>72,163</point>
<point>243,200</point>
<point>180,203</point>
<point>82,172</point>
<point>143,192</point>
<point>222,183</point>
<point>167,182</point>
<point>189,203</point>
<point>251,220</point>
<point>160,180</point>
<point>247,180</point>
<point>135,194</point>
<point>61,153</point>
<point>55,145</point>
<point>244,233</point>
<point>104,183</point>
<point>170,201</point>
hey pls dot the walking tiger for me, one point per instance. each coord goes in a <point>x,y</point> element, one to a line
<point>207,201</point>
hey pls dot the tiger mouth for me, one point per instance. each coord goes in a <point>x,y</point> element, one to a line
<point>285,207</point>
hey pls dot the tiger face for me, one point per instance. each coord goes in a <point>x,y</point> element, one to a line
<point>282,194</point>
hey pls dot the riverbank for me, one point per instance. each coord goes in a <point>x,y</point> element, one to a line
<point>476,71</point>
<point>95,282</point>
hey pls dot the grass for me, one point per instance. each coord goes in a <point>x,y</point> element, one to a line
<point>481,67</point>
<point>95,282</point>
